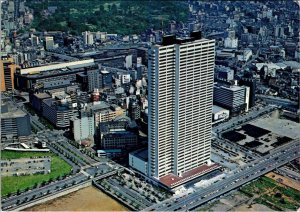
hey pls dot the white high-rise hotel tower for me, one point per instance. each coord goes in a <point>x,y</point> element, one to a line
<point>180,107</point>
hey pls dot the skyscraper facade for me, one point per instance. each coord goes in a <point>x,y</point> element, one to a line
<point>180,104</point>
<point>94,79</point>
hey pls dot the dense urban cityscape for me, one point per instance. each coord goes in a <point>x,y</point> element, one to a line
<point>150,105</point>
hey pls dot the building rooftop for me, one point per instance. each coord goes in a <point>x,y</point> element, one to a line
<point>172,180</point>
<point>74,64</point>
<point>217,109</point>
<point>292,64</point>
<point>105,72</point>
<point>269,65</point>
<point>9,110</point>
<point>99,106</point>
<point>42,95</point>
<point>232,87</point>
<point>141,153</point>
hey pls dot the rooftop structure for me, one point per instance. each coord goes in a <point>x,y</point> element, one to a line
<point>74,64</point>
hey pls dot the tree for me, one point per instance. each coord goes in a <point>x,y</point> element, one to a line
<point>278,195</point>
<point>114,8</point>
<point>35,185</point>
<point>282,201</point>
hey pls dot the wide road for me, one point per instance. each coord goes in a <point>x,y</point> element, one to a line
<point>15,201</point>
<point>241,119</point>
<point>289,173</point>
<point>241,176</point>
<point>76,151</point>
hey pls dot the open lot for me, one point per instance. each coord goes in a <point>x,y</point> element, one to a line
<point>272,194</point>
<point>282,127</point>
<point>12,184</point>
<point>284,180</point>
<point>264,134</point>
<point>263,194</point>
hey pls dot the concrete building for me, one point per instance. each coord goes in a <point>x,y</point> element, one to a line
<point>94,79</point>
<point>88,38</point>
<point>297,52</point>
<point>36,101</point>
<point>50,76</point>
<point>251,83</point>
<point>134,110</point>
<point>56,66</point>
<point>83,126</point>
<point>231,41</point>
<point>224,73</point>
<point>7,70</point>
<point>49,43</point>
<point>234,98</point>
<point>180,105</point>
<point>219,113</point>
<point>106,78</point>
<point>128,62</point>
<point>139,160</point>
<point>114,135</point>
<point>124,77</point>
<point>57,112</point>
<point>14,122</point>
<point>103,112</point>
<point>244,55</point>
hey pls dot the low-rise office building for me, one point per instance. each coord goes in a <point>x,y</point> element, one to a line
<point>220,113</point>
<point>50,76</point>
<point>36,101</point>
<point>139,160</point>
<point>14,122</point>
<point>103,112</point>
<point>115,135</point>
<point>57,112</point>
<point>234,98</point>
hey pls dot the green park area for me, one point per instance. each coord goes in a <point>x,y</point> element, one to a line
<point>15,184</point>
<point>121,17</point>
<point>273,194</point>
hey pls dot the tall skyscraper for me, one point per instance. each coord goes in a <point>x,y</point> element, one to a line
<point>180,104</point>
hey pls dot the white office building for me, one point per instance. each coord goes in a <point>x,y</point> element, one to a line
<point>82,127</point>
<point>234,98</point>
<point>231,41</point>
<point>180,105</point>
<point>49,41</point>
<point>88,38</point>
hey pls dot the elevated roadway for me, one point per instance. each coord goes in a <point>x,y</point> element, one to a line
<point>238,178</point>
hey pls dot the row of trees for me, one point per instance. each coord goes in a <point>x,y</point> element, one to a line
<point>38,185</point>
